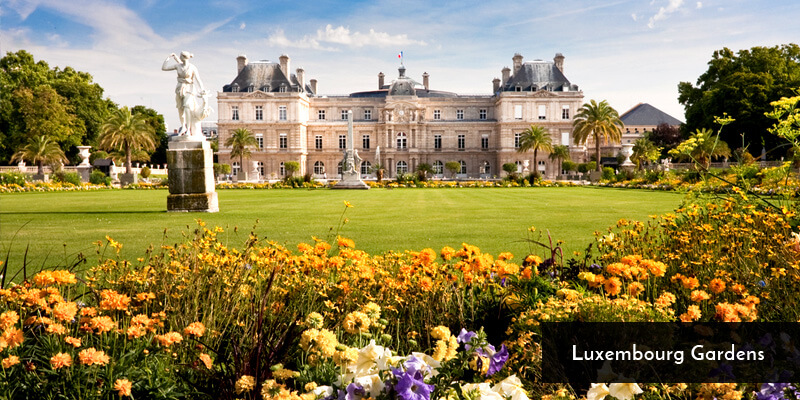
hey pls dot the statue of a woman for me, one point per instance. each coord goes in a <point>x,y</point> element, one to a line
<point>185,94</point>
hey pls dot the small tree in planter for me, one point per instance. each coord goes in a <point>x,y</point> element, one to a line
<point>511,169</point>
<point>423,170</point>
<point>291,167</point>
<point>378,170</point>
<point>454,167</point>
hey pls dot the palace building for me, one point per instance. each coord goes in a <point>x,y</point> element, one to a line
<point>399,125</point>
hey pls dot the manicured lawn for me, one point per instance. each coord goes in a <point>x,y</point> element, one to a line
<point>56,226</point>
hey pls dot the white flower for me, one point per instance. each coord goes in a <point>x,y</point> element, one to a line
<point>372,384</point>
<point>484,391</point>
<point>423,363</point>
<point>323,391</point>
<point>598,391</point>
<point>624,391</point>
<point>368,358</point>
<point>511,387</point>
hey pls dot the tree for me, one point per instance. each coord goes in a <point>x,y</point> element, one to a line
<point>156,122</point>
<point>511,169</point>
<point>240,142</point>
<point>291,167</point>
<point>599,121</point>
<point>701,147</point>
<point>560,153</point>
<point>742,84</point>
<point>454,167</point>
<point>127,132</point>
<point>40,151</point>
<point>423,170</point>
<point>644,151</point>
<point>665,136</point>
<point>535,138</point>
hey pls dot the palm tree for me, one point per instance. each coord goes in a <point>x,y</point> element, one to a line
<point>644,151</point>
<point>559,154</point>
<point>127,132</point>
<point>708,147</point>
<point>535,138</point>
<point>597,120</point>
<point>240,142</point>
<point>40,150</point>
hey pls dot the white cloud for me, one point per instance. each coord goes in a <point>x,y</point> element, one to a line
<point>242,26</point>
<point>342,36</point>
<point>664,12</point>
<point>699,5</point>
<point>635,17</point>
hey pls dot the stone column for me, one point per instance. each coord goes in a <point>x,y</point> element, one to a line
<point>191,175</point>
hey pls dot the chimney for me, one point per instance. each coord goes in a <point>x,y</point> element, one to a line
<point>425,80</point>
<point>559,61</point>
<point>380,80</point>
<point>285,65</point>
<point>517,62</point>
<point>241,62</point>
<point>313,83</point>
<point>506,75</point>
<point>300,79</point>
<point>495,85</point>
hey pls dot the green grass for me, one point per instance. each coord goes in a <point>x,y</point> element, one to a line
<point>53,227</point>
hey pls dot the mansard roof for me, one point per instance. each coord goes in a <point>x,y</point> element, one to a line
<point>403,86</point>
<point>538,75</point>
<point>647,115</point>
<point>264,76</point>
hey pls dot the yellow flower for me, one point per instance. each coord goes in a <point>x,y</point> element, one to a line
<point>347,204</point>
<point>61,360</point>
<point>123,387</point>
<point>440,332</point>
<point>111,300</point>
<point>245,384</point>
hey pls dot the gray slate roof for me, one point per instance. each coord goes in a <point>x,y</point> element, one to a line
<point>645,114</point>
<point>403,86</point>
<point>538,75</point>
<point>264,76</point>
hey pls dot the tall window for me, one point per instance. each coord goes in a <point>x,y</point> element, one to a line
<point>437,114</point>
<point>485,142</point>
<point>402,141</point>
<point>565,112</point>
<point>518,111</point>
<point>516,140</point>
<point>318,142</point>
<point>487,168</point>
<point>365,167</point>
<point>282,170</point>
<point>482,114</point>
<point>260,168</point>
<point>542,112</point>
<point>459,114</point>
<point>259,113</point>
<point>365,142</point>
<point>319,168</point>
<point>339,168</point>
<point>235,113</point>
<point>519,166</point>
<point>367,114</point>
<point>402,167</point>
<point>260,140</point>
<point>462,142</point>
<point>342,142</point>
<point>437,142</point>
<point>344,115</point>
<point>235,168</point>
<point>438,167</point>
<point>542,166</point>
<point>283,141</point>
<point>321,114</point>
<point>565,138</point>
<point>282,113</point>
<point>463,167</point>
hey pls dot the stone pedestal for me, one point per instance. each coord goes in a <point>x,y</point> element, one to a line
<point>127,179</point>
<point>191,176</point>
<point>85,172</point>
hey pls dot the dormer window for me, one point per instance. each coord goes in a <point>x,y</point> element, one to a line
<point>235,88</point>
<point>250,89</point>
<point>519,88</point>
<point>283,88</point>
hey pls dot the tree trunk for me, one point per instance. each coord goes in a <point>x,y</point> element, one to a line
<point>535,163</point>
<point>40,168</point>
<point>128,169</point>
<point>597,152</point>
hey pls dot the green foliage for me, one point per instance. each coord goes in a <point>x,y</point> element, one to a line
<point>240,142</point>
<point>535,138</point>
<point>592,165</point>
<point>608,173</point>
<point>510,168</point>
<point>97,177</point>
<point>127,132</point>
<point>423,170</point>
<point>568,165</point>
<point>222,169</point>
<point>599,121</point>
<point>701,147</point>
<point>156,122</point>
<point>645,152</point>
<point>15,178</point>
<point>145,173</point>
<point>67,177</point>
<point>665,136</point>
<point>40,151</point>
<point>454,167</point>
<point>742,84</point>
<point>583,168</point>
<point>653,176</point>
<point>291,167</point>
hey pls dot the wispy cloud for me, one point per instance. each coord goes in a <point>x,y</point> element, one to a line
<point>665,12</point>
<point>569,12</point>
<point>342,35</point>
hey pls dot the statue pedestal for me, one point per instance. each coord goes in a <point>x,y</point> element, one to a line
<point>85,171</point>
<point>350,181</point>
<point>191,176</point>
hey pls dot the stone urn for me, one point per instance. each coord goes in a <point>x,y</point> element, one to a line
<point>627,151</point>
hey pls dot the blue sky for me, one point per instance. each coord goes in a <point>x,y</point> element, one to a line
<point>623,51</point>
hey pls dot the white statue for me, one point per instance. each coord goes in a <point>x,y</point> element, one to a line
<point>191,98</point>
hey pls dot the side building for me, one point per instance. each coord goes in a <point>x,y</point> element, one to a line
<point>400,124</point>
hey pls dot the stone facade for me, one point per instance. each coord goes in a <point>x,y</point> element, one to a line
<point>399,125</point>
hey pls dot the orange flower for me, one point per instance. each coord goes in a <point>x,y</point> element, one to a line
<point>10,361</point>
<point>7,319</point>
<point>426,283</point>
<point>56,329</point>
<point>533,260</point>
<point>345,242</point>
<point>123,387</point>
<point>717,285</point>
<point>665,300</point>
<point>612,286</point>
<point>64,311</point>
<point>635,288</point>
<point>448,253</point>
<point>690,283</point>
<point>196,329</point>
<point>206,359</point>
<point>691,314</point>
<point>135,332</point>
<point>75,342</point>
<point>142,297</point>
<point>88,312</point>
<point>91,356</point>
<point>656,268</point>
<point>111,300</point>
<point>505,256</point>
<point>102,324</point>
<point>169,338</point>
<point>61,360</point>
<point>699,295</point>
<point>726,313</point>
<point>12,337</point>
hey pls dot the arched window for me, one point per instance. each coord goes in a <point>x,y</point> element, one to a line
<point>463,167</point>
<point>260,168</point>
<point>542,167</point>
<point>339,168</point>
<point>519,166</point>
<point>402,167</point>
<point>365,167</point>
<point>487,168</point>
<point>402,141</point>
<point>438,167</point>
<point>319,168</point>
<point>283,169</point>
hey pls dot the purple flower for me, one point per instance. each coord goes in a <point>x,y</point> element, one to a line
<point>354,391</point>
<point>411,386</point>
<point>497,361</point>
<point>465,337</point>
<point>771,391</point>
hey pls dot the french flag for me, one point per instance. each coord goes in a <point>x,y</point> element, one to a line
<point>400,55</point>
